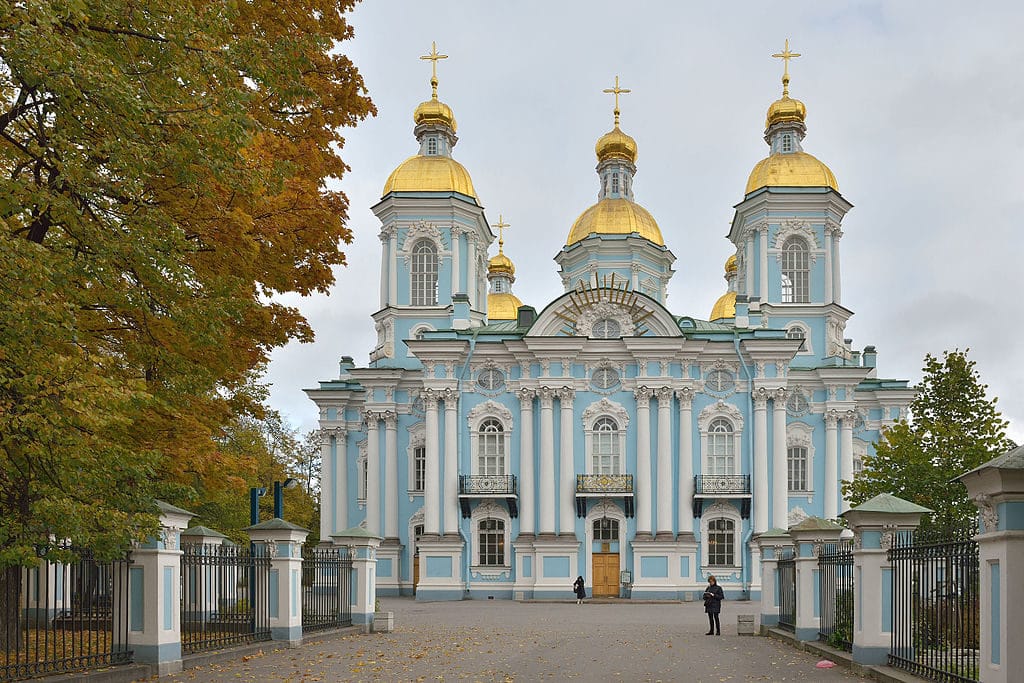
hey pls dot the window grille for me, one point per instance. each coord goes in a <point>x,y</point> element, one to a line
<point>606,329</point>
<point>720,380</point>
<point>605,378</point>
<point>492,542</point>
<point>795,272</point>
<point>721,448</point>
<point>491,456</point>
<point>721,540</point>
<point>787,143</point>
<point>615,183</point>
<point>796,461</point>
<point>419,467</point>
<point>606,446</point>
<point>491,379</point>
<point>424,274</point>
<point>431,146</point>
<point>798,333</point>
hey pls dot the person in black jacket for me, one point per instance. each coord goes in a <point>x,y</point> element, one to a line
<point>579,589</point>
<point>713,597</point>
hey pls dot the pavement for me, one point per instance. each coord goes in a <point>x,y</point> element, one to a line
<point>500,640</point>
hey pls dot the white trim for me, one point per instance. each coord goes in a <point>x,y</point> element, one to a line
<point>808,349</point>
<point>608,509</point>
<point>721,510</point>
<point>415,330</point>
<point>361,473</point>
<point>801,434</point>
<point>476,417</point>
<point>488,509</point>
<point>417,439</point>
<point>731,414</point>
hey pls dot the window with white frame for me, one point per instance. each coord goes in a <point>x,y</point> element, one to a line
<point>417,333</point>
<point>721,542</point>
<point>606,530</point>
<point>606,455</point>
<point>606,328</point>
<point>491,542</point>
<point>605,378</point>
<point>424,273</point>
<point>796,466</point>
<point>787,143</point>
<point>361,478</point>
<point>797,331</point>
<point>796,272</point>
<point>721,447</point>
<point>491,448</point>
<point>431,146</point>
<point>615,183</point>
<point>419,468</point>
<point>604,426</point>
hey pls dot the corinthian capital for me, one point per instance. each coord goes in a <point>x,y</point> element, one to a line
<point>643,393</point>
<point>685,396</point>
<point>780,395</point>
<point>831,418</point>
<point>664,395</point>
<point>390,419</point>
<point>566,394</point>
<point>451,398</point>
<point>430,398</point>
<point>761,396</point>
<point>526,397</point>
<point>547,397</point>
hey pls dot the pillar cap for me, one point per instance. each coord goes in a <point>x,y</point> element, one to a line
<point>275,524</point>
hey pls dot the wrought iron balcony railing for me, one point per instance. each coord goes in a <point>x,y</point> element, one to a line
<point>604,483</point>
<point>721,484</point>
<point>487,484</point>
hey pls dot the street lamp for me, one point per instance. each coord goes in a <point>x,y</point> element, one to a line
<point>279,487</point>
<point>254,504</point>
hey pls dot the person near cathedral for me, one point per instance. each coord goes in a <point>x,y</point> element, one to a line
<point>580,589</point>
<point>713,596</point>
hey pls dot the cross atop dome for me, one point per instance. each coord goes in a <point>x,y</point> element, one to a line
<point>616,91</point>
<point>434,58</point>
<point>785,56</point>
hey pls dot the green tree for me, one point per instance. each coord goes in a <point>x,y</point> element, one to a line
<point>163,171</point>
<point>954,428</point>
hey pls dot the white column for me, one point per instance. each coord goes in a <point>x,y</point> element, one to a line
<point>664,524</point>
<point>685,507</point>
<point>748,285</point>
<point>846,452</point>
<point>471,283</point>
<point>432,467</point>
<point>455,237</point>
<point>828,265</point>
<point>761,473</point>
<point>332,503</point>
<point>837,280</point>
<point>831,466</point>
<point>643,491</point>
<point>526,499</point>
<point>547,462</point>
<point>390,474</point>
<point>384,267</point>
<point>373,472</point>
<point>780,480</point>
<point>393,267</point>
<point>763,263</point>
<point>451,463</point>
<point>566,467</point>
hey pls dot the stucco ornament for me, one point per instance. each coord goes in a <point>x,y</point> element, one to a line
<point>720,409</point>
<point>606,407</point>
<point>796,228</point>
<point>604,311</point>
<point>796,515</point>
<point>988,512</point>
<point>418,231</point>
<point>489,409</point>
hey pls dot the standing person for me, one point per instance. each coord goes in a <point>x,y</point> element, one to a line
<point>713,596</point>
<point>579,589</point>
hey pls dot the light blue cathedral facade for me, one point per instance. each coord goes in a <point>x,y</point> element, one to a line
<point>501,452</point>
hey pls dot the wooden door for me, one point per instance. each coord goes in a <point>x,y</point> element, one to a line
<point>415,572</point>
<point>606,575</point>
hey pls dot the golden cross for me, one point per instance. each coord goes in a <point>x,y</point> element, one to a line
<point>616,91</point>
<point>785,56</point>
<point>433,57</point>
<point>501,225</point>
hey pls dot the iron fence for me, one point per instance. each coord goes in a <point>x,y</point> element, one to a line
<point>224,597</point>
<point>326,588</point>
<point>57,618</point>
<point>935,611</point>
<point>835,571</point>
<point>787,591</point>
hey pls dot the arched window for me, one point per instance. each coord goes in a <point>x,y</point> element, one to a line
<point>606,530</point>
<point>797,333</point>
<point>419,468</point>
<point>606,328</point>
<point>795,272</point>
<point>796,466</point>
<point>491,541</point>
<point>607,458</point>
<point>424,274</point>
<point>721,447</point>
<point>491,445</point>
<point>721,543</point>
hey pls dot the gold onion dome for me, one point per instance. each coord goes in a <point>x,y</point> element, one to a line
<point>794,169</point>
<point>785,110</point>
<point>725,307</point>
<point>616,217</point>
<point>503,306</point>
<point>500,264</point>
<point>616,145</point>
<point>436,112</point>
<point>430,174</point>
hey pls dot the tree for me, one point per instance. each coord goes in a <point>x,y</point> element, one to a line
<point>163,172</point>
<point>955,428</point>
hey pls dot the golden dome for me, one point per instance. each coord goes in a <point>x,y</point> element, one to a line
<point>730,265</point>
<point>725,307</point>
<point>434,111</point>
<point>503,306</point>
<point>785,110</point>
<point>794,169</point>
<point>430,174</point>
<point>615,217</point>
<point>616,145</point>
<point>500,264</point>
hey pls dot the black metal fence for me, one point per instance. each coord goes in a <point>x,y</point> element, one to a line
<point>935,611</point>
<point>63,617</point>
<point>835,570</point>
<point>326,588</point>
<point>224,597</point>
<point>787,591</point>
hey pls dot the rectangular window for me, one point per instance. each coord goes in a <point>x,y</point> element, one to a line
<point>797,468</point>
<point>492,543</point>
<point>431,146</point>
<point>720,543</point>
<point>787,143</point>
<point>615,183</point>
<point>419,467</point>
<point>492,453</point>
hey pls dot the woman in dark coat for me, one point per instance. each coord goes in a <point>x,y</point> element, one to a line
<point>713,597</point>
<point>579,589</point>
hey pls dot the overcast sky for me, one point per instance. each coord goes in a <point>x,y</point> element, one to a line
<point>917,107</point>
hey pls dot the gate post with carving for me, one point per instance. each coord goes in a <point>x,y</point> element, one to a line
<point>771,543</point>
<point>808,537</point>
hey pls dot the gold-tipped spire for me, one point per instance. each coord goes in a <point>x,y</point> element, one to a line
<point>501,225</point>
<point>785,56</point>
<point>434,57</point>
<point>501,263</point>
<point>616,91</point>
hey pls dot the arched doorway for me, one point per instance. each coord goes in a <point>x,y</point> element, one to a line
<point>417,531</point>
<point>605,558</point>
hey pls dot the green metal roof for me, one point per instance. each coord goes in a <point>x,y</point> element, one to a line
<point>816,524</point>
<point>886,502</point>
<point>276,523</point>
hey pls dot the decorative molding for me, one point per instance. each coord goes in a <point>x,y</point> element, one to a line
<point>489,409</point>
<point>795,516</point>
<point>685,396</point>
<point>642,394</point>
<point>565,394</point>
<point>988,512</point>
<point>761,398</point>
<point>390,419</point>
<point>417,434</point>
<point>416,232</point>
<point>547,397</point>
<point>720,409</point>
<point>605,407</point>
<point>889,532</point>
<point>800,434</point>
<point>664,395</point>
<point>526,397</point>
<point>793,227</point>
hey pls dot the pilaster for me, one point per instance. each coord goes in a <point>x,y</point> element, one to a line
<point>282,542</point>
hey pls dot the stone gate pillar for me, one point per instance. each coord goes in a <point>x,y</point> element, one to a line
<point>997,488</point>
<point>282,542</point>
<point>808,536</point>
<point>362,547</point>
<point>771,543</point>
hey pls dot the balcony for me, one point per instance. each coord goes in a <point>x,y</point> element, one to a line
<point>709,486</point>
<point>481,486</point>
<point>603,486</point>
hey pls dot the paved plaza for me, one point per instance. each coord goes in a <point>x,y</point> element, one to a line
<point>539,641</point>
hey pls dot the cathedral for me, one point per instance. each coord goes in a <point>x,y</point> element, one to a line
<point>501,450</point>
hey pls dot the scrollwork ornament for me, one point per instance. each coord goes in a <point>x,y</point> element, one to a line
<point>565,394</point>
<point>888,537</point>
<point>780,395</point>
<point>761,396</point>
<point>526,396</point>
<point>547,397</point>
<point>390,419</point>
<point>858,541</point>
<point>643,393</point>
<point>816,548</point>
<point>685,396</point>
<point>988,512</point>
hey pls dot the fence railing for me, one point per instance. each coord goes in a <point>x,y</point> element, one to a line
<point>787,592</point>
<point>835,569</point>
<point>935,610</point>
<point>326,589</point>
<point>224,597</point>
<point>58,618</point>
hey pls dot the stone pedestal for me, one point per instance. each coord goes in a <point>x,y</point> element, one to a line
<point>441,568</point>
<point>282,542</point>
<point>808,537</point>
<point>362,548</point>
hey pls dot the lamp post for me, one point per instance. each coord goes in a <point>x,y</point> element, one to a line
<point>254,504</point>
<point>279,487</point>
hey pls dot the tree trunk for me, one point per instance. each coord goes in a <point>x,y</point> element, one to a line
<point>10,603</point>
